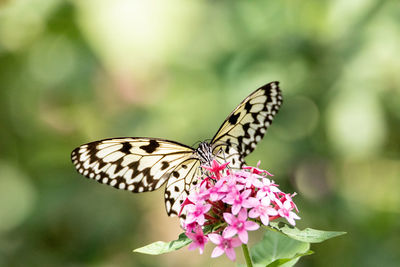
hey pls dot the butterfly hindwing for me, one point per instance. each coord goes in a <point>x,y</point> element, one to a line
<point>246,125</point>
<point>134,164</point>
<point>229,154</point>
<point>179,182</point>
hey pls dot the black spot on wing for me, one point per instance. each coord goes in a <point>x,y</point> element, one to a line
<point>151,147</point>
<point>126,148</point>
<point>92,150</point>
<point>246,127</point>
<point>228,145</point>
<point>248,106</point>
<point>233,119</point>
<point>101,164</point>
<point>255,119</point>
<point>118,164</point>
<point>164,165</point>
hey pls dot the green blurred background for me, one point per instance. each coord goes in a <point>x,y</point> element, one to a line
<point>72,72</point>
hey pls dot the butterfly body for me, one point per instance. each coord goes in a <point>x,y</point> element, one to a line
<point>204,153</point>
<point>140,164</point>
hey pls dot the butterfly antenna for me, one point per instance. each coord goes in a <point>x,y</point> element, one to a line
<point>196,143</point>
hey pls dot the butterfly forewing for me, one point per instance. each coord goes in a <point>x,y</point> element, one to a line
<point>134,164</point>
<point>248,122</point>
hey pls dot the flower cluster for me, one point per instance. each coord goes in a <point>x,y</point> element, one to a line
<point>227,204</point>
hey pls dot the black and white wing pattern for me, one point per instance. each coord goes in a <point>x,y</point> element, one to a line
<point>140,164</point>
<point>246,125</point>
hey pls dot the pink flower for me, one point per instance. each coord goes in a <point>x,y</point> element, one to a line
<point>224,244</point>
<point>285,211</point>
<point>216,167</point>
<point>195,212</point>
<point>219,190</point>
<point>225,200</point>
<point>198,238</point>
<point>190,226</point>
<point>239,225</point>
<point>268,189</point>
<point>289,198</point>
<point>251,179</point>
<point>263,210</point>
<point>238,200</point>
<point>256,170</point>
<point>184,204</point>
<point>200,195</point>
<point>232,183</point>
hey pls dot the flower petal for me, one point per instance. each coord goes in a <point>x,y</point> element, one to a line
<point>229,232</point>
<point>287,205</point>
<point>243,236</point>
<point>191,235</point>
<point>215,238</point>
<point>201,249</point>
<point>254,213</point>
<point>235,209</point>
<point>251,202</point>
<point>242,216</point>
<point>218,251</point>
<point>264,219</point>
<point>230,253</point>
<point>265,201</point>
<point>229,218</point>
<point>246,193</point>
<point>235,242</point>
<point>291,221</point>
<point>192,246</point>
<point>251,226</point>
<point>271,211</point>
<point>294,215</point>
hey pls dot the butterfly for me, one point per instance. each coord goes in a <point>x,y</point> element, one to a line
<point>141,164</point>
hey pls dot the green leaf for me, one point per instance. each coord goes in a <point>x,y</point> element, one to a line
<point>161,247</point>
<point>276,246</point>
<point>289,262</point>
<point>306,235</point>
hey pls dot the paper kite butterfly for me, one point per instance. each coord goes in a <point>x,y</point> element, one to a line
<point>141,164</point>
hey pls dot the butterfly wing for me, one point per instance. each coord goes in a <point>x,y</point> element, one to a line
<point>138,165</point>
<point>246,125</point>
<point>179,182</point>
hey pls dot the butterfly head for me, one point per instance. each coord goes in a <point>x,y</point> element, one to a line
<point>204,153</point>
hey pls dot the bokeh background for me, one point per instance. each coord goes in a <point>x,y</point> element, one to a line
<point>72,72</point>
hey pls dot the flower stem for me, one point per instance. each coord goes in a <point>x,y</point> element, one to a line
<point>246,254</point>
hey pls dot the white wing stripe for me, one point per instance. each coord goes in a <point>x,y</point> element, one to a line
<point>113,156</point>
<point>106,151</point>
